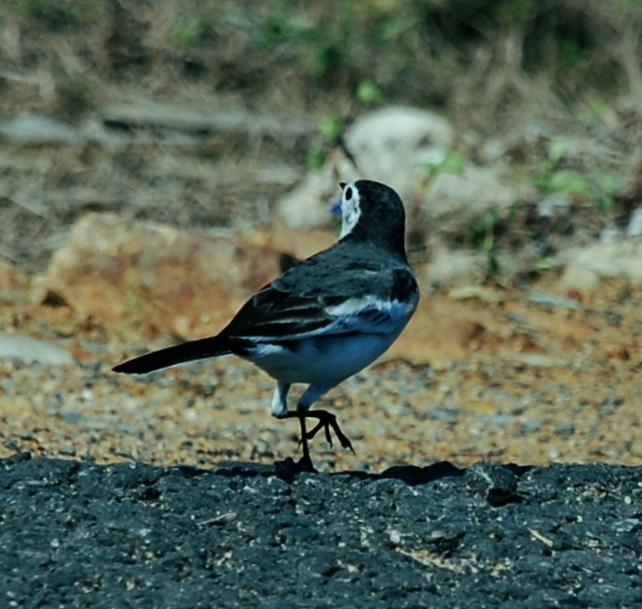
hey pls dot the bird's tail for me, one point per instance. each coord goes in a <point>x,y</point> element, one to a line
<point>204,348</point>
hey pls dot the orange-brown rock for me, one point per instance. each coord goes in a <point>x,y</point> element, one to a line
<point>157,277</point>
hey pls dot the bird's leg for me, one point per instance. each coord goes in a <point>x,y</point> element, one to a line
<point>279,409</point>
<point>279,406</point>
<point>306,462</point>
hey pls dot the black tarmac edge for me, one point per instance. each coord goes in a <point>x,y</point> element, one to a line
<point>78,534</point>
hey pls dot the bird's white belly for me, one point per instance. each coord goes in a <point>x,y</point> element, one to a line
<point>320,359</point>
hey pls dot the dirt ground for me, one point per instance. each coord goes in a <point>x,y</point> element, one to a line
<point>518,372</point>
<point>515,381</point>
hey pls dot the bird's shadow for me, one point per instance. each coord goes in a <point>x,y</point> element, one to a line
<point>289,470</point>
<point>494,482</point>
<point>497,484</point>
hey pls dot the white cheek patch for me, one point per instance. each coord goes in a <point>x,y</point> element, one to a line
<point>350,210</point>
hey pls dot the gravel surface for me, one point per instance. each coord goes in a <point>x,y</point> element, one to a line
<point>79,534</point>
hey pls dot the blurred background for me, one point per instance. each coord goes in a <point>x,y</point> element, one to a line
<point>204,114</point>
<point>159,161</point>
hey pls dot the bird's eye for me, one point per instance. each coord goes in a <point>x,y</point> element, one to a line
<point>348,194</point>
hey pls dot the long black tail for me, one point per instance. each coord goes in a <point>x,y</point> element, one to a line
<point>204,348</point>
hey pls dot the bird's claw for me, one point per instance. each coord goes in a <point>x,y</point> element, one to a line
<point>327,420</point>
<point>313,432</point>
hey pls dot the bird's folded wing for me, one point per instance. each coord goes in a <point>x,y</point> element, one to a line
<point>288,312</point>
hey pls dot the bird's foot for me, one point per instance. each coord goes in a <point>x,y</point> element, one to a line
<point>289,468</point>
<point>326,421</point>
<point>304,464</point>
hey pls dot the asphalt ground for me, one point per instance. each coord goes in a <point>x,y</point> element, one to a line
<point>83,534</point>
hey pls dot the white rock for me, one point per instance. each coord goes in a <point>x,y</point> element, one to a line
<point>634,229</point>
<point>553,204</point>
<point>308,205</point>
<point>547,299</point>
<point>459,198</point>
<point>30,129</point>
<point>394,145</point>
<point>611,234</point>
<point>31,350</point>
<point>618,259</point>
<point>579,279</point>
<point>451,267</point>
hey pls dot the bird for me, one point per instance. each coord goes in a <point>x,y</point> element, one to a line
<point>324,319</point>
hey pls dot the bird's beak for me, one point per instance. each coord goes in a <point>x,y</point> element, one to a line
<point>342,184</point>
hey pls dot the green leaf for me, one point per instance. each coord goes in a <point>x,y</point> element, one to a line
<point>331,128</point>
<point>316,158</point>
<point>369,93</point>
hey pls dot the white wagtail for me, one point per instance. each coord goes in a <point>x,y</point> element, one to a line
<point>324,319</point>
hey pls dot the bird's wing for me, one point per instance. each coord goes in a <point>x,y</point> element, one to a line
<point>308,301</point>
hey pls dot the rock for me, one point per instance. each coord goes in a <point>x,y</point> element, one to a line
<point>299,244</point>
<point>553,301</point>
<point>449,266</point>
<point>31,350</point>
<point>494,483</point>
<point>395,145</point>
<point>600,260</point>
<point>308,205</point>
<point>14,285</point>
<point>536,360</point>
<point>477,292</point>
<point>155,276</point>
<point>578,279</point>
<point>611,234</point>
<point>553,205</point>
<point>455,199</point>
<point>33,130</point>
<point>634,229</point>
